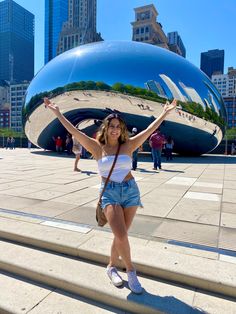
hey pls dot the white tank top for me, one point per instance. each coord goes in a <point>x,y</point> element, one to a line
<point>121,169</point>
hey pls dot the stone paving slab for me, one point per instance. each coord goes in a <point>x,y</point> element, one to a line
<point>19,296</point>
<point>63,303</point>
<point>25,296</point>
<point>188,232</point>
<point>199,214</point>
<point>227,238</point>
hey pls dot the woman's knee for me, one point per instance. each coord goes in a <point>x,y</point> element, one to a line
<point>121,237</point>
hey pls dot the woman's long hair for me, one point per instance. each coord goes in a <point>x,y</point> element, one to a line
<point>103,130</point>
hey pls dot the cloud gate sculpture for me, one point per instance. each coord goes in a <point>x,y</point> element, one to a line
<point>134,79</point>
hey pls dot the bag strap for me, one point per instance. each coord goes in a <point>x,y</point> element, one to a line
<point>109,175</point>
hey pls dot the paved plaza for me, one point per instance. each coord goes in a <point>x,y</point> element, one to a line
<point>183,239</point>
<point>191,201</point>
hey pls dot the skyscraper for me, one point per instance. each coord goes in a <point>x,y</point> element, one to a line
<point>81,25</point>
<point>16,42</point>
<point>175,44</point>
<point>56,13</point>
<point>212,62</point>
<point>226,85</point>
<point>146,28</point>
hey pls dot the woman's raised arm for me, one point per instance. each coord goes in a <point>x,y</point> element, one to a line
<point>89,143</point>
<point>137,140</point>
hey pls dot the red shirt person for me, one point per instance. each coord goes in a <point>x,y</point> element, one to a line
<point>156,142</point>
<point>58,144</point>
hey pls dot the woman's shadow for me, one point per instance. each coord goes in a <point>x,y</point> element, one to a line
<point>166,304</point>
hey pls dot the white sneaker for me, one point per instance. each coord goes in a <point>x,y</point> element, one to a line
<point>133,282</point>
<point>114,276</point>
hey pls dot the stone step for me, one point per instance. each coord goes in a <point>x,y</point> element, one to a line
<point>35,282</point>
<point>19,295</point>
<point>90,281</point>
<point>150,258</point>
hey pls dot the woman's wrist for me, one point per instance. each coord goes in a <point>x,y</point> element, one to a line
<point>59,114</point>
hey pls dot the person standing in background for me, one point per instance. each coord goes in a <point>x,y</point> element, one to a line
<point>77,150</point>
<point>58,144</point>
<point>135,153</point>
<point>69,144</point>
<point>169,148</point>
<point>156,142</point>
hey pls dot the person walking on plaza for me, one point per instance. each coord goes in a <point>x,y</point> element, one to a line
<point>8,144</point>
<point>121,197</point>
<point>135,153</point>
<point>77,150</point>
<point>169,148</point>
<point>233,148</point>
<point>156,142</point>
<point>69,144</point>
<point>29,144</point>
<point>12,143</point>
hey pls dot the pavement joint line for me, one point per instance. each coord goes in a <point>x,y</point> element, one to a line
<point>221,210</point>
<point>44,218</point>
<point>202,247</point>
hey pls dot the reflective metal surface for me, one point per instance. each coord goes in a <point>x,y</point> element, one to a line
<point>136,79</point>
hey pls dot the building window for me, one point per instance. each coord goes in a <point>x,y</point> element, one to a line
<point>137,31</point>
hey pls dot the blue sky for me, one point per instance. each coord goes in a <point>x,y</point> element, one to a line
<point>202,24</point>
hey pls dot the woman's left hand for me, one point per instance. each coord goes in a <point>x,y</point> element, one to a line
<point>169,107</point>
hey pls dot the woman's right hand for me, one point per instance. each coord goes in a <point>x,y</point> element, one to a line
<point>50,105</point>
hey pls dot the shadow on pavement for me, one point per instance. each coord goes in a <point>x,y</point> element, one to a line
<point>167,304</point>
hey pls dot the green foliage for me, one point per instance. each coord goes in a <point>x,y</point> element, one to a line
<point>208,114</point>
<point>9,132</point>
<point>138,92</point>
<point>231,133</point>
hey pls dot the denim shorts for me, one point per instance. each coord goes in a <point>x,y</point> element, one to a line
<point>125,194</point>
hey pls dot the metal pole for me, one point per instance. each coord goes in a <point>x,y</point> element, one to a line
<point>226,145</point>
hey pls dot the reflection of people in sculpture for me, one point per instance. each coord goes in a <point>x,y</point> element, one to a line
<point>214,132</point>
<point>121,197</point>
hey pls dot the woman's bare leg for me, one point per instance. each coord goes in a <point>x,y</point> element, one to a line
<point>77,158</point>
<point>120,220</point>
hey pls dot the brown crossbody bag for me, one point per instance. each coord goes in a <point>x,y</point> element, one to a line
<point>100,216</point>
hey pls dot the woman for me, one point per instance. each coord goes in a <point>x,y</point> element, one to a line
<point>77,150</point>
<point>121,197</point>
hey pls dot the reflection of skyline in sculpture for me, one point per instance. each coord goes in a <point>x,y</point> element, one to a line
<point>156,87</point>
<point>176,93</point>
<point>214,95</point>
<point>212,100</point>
<point>192,94</point>
<point>90,81</point>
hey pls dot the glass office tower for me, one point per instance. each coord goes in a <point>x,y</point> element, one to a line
<point>212,62</point>
<point>56,13</point>
<point>16,42</point>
